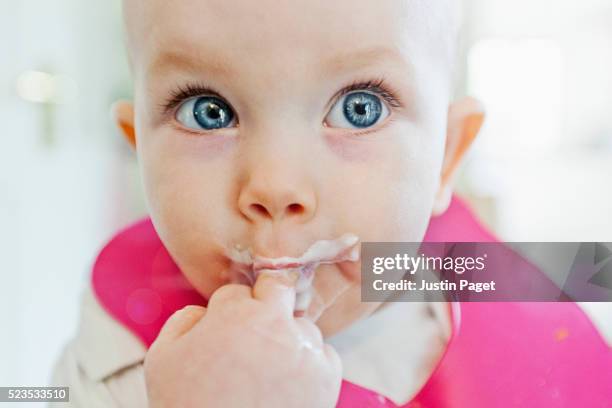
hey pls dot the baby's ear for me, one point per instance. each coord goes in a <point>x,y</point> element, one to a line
<point>123,115</point>
<point>465,118</point>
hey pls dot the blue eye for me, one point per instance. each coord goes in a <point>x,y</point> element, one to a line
<point>357,110</point>
<point>205,112</point>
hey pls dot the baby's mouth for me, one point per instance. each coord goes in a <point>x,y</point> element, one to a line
<point>246,267</point>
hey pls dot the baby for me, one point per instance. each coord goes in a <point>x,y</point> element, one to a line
<point>268,127</point>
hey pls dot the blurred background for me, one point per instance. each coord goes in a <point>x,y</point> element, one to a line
<point>540,171</point>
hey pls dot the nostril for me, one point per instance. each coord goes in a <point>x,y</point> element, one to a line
<point>260,210</point>
<point>295,209</point>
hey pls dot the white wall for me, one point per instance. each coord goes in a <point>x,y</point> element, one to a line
<point>543,162</point>
<point>62,192</point>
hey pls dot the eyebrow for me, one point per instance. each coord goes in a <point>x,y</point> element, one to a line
<point>354,60</point>
<point>186,61</point>
<point>214,64</point>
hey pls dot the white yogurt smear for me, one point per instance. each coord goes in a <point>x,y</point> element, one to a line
<point>246,268</point>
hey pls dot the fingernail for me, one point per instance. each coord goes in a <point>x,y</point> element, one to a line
<point>286,277</point>
<point>294,275</point>
<point>290,277</point>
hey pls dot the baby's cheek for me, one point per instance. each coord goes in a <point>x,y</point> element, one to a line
<point>188,213</point>
<point>412,187</point>
<point>392,209</point>
<point>393,187</point>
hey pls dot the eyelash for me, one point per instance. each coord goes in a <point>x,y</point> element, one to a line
<point>184,92</point>
<point>377,86</point>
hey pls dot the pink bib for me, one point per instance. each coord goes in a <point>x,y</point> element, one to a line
<point>499,355</point>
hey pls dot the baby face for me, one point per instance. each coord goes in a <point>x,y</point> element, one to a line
<point>273,125</point>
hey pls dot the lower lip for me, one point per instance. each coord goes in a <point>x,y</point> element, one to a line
<point>279,267</point>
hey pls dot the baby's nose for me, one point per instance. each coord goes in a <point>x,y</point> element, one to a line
<point>273,196</point>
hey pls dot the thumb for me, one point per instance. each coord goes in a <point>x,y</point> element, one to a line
<point>180,323</point>
<point>277,288</point>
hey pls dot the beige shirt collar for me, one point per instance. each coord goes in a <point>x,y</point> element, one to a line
<point>103,346</point>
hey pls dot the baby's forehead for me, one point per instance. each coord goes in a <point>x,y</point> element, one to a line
<point>232,33</point>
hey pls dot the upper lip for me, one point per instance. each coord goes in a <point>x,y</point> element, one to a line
<point>322,251</point>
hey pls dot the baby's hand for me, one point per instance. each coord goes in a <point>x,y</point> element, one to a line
<point>245,350</point>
